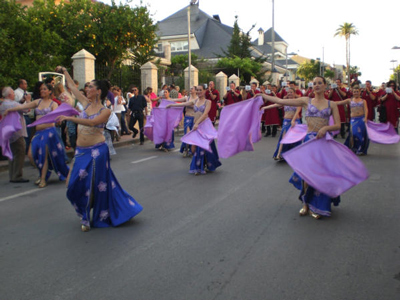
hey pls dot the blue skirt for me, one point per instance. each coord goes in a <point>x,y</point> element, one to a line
<point>92,184</point>
<point>188,123</point>
<point>169,145</point>
<point>317,202</point>
<point>287,123</point>
<point>358,140</point>
<point>48,140</point>
<point>203,160</point>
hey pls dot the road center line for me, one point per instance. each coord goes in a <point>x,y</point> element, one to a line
<point>142,160</point>
<point>18,195</point>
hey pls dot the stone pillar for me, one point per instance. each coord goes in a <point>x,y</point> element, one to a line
<point>149,77</point>
<point>221,82</point>
<point>83,63</point>
<point>253,80</point>
<point>234,79</point>
<point>167,51</point>
<point>194,77</point>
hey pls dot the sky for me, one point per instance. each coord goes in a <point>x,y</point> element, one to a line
<point>308,26</point>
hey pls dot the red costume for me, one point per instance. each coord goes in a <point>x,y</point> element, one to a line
<point>232,98</point>
<point>212,114</point>
<point>392,111</point>
<point>337,97</point>
<point>370,103</point>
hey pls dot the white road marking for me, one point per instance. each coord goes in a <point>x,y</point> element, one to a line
<point>20,194</point>
<point>176,150</point>
<point>142,160</point>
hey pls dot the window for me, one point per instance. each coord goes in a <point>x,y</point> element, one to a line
<point>179,46</point>
<point>159,48</point>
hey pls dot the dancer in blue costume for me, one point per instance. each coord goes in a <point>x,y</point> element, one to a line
<point>358,140</point>
<point>291,117</point>
<point>202,161</point>
<point>91,182</point>
<point>188,122</point>
<point>318,111</point>
<point>46,149</point>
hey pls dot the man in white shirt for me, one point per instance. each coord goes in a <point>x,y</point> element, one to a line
<point>17,142</point>
<point>22,96</point>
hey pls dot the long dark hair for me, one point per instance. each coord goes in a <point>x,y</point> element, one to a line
<point>102,85</point>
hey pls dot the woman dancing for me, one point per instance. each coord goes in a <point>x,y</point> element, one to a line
<point>290,118</point>
<point>46,149</point>
<point>202,161</point>
<point>91,183</point>
<point>188,121</point>
<point>318,111</point>
<point>357,141</point>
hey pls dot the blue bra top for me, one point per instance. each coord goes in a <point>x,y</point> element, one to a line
<point>43,112</point>
<point>312,111</point>
<point>290,108</point>
<point>356,104</point>
<point>201,108</point>
<point>84,115</point>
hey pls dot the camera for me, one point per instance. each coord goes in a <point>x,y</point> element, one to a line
<point>268,92</point>
<point>205,86</point>
<point>389,90</point>
<point>287,89</point>
<point>247,88</point>
<point>362,86</point>
<point>310,84</point>
<point>334,86</point>
<point>284,83</point>
<point>228,88</point>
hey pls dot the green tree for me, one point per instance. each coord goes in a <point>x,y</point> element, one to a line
<point>329,74</point>
<point>309,70</point>
<point>346,30</point>
<point>238,59</point>
<point>180,62</point>
<point>112,33</point>
<point>396,74</point>
<point>26,48</point>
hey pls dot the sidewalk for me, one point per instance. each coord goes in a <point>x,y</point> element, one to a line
<point>124,141</point>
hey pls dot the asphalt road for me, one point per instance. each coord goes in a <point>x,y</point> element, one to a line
<point>232,234</point>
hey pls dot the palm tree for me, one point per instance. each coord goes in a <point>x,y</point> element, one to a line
<point>346,30</point>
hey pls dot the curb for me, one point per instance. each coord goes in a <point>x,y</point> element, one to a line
<point>124,141</point>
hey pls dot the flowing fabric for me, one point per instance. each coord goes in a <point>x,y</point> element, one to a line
<point>148,128</point>
<point>165,120</point>
<point>9,125</point>
<point>357,140</point>
<point>63,110</point>
<point>295,134</point>
<point>93,184</point>
<point>382,133</point>
<point>239,127</point>
<point>286,126</point>
<point>203,136</point>
<point>327,165</point>
<point>46,144</point>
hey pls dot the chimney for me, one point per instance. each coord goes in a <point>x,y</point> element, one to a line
<point>260,36</point>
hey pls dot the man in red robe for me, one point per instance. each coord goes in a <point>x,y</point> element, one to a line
<point>339,93</point>
<point>232,95</point>
<point>213,95</point>
<point>370,96</point>
<point>253,91</point>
